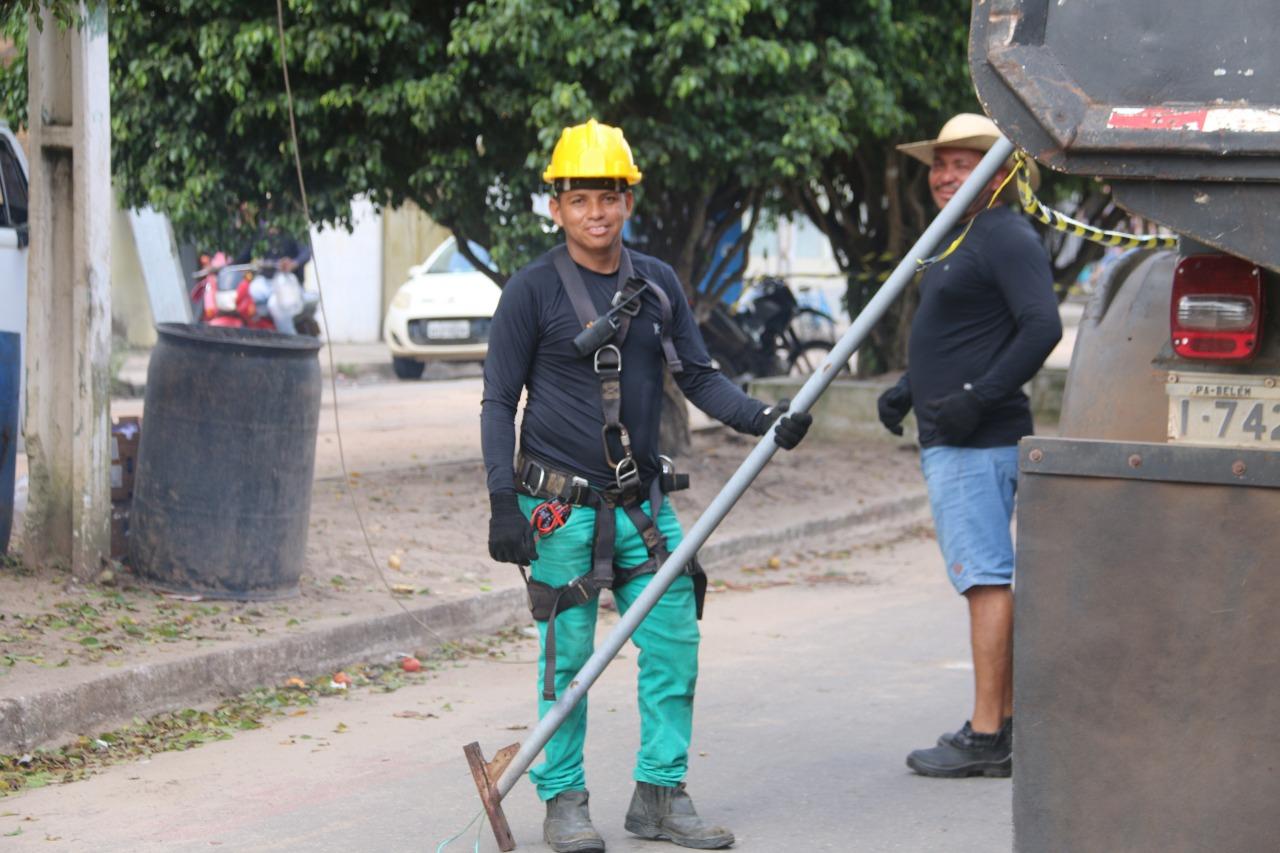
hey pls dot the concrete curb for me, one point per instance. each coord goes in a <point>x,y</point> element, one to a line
<point>112,700</point>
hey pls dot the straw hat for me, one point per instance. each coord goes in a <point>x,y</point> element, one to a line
<point>966,130</point>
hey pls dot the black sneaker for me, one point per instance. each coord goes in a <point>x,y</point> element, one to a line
<point>967,753</point>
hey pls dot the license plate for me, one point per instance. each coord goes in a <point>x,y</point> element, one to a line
<point>1224,410</point>
<point>448,330</point>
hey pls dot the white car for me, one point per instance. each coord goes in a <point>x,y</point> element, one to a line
<point>442,313</point>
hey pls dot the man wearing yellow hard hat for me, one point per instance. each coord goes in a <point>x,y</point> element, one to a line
<point>587,330</point>
<point>987,320</point>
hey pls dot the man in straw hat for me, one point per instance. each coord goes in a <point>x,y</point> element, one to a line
<point>987,320</point>
<point>588,330</point>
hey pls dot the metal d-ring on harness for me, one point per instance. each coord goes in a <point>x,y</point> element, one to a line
<point>536,479</point>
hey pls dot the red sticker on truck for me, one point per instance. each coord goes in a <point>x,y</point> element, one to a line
<point>1205,120</point>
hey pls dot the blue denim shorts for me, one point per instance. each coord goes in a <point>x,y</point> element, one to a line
<point>971,493</point>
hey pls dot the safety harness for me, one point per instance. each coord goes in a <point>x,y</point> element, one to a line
<point>535,478</point>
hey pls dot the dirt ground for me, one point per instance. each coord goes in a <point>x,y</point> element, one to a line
<point>427,530</point>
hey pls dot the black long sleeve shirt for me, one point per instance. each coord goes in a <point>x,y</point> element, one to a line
<point>531,347</point>
<point>988,318</point>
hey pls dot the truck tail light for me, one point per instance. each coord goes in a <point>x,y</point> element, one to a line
<point>1216,310</point>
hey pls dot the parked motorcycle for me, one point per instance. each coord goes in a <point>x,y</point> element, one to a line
<point>253,296</point>
<point>768,333</point>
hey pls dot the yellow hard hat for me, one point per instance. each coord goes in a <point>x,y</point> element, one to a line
<point>591,156</point>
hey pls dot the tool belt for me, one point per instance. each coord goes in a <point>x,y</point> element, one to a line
<point>537,480</point>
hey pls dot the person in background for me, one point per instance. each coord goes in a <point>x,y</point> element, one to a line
<point>987,319</point>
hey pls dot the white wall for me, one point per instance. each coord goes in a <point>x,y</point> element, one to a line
<point>797,250</point>
<point>348,267</point>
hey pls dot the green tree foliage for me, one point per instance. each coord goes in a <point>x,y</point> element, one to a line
<point>732,107</point>
<point>721,99</point>
<point>456,106</point>
<point>199,115</point>
<point>870,201</point>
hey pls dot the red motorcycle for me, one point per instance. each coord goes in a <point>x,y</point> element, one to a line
<point>252,296</point>
<point>222,295</point>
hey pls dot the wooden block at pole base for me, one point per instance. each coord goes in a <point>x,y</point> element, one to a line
<point>486,776</point>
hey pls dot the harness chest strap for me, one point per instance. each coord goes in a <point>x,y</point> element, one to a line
<point>576,288</point>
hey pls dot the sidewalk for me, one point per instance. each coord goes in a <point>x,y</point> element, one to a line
<point>83,660</point>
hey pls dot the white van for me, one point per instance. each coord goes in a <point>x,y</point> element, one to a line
<point>13,235</point>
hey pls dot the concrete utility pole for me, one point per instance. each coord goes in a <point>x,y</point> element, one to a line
<point>68,520</point>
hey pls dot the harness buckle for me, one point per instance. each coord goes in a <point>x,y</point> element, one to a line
<point>627,473</point>
<point>615,367</point>
<point>580,588</point>
<point>627,300</point>
<point>671,480</point>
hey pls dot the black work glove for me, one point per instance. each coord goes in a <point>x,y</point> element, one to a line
<point>510,534</point>
<point>791,429</point>
<point>957,415</point>
<point>893,405</point>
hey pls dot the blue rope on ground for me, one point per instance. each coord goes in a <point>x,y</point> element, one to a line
<point>476,847</point>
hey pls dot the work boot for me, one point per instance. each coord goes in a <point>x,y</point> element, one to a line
<point>967,753</point>
<point>666,814</point>
<point>947,737</point>
<point>568,828</point>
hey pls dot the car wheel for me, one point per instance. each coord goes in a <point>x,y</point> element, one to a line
<point>407,368</point>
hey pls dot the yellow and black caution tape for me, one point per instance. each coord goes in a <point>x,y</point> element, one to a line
<point>1062,222</point>
<point>1056,220</point>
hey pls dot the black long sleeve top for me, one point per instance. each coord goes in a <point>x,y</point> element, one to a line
<point>531,347</point>
<point>988,318</point>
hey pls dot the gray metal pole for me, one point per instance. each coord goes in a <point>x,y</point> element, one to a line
<point>751,466</point>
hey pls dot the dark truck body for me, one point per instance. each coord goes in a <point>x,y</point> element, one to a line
<point>1147,631</point>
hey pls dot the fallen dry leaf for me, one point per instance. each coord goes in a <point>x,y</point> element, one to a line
<point>414,715</point>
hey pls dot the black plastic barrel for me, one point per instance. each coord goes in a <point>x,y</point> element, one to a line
<point>10,381</point>
<point>222,492</point>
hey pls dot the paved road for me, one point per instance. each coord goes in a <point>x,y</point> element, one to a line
<point>809,698</point>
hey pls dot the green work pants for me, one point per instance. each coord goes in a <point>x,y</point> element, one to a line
<point>667,639</point>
